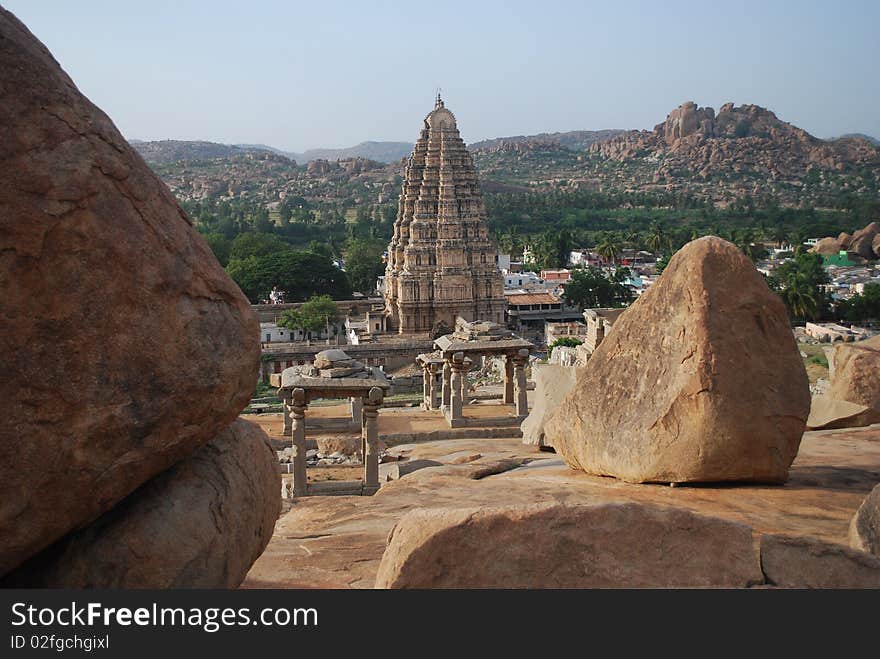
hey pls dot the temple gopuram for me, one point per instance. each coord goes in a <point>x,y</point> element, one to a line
<point>441,262</point>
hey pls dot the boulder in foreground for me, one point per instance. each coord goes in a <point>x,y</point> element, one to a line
<point>855,372</point>
<point>128,345</point>
<point>800,562</point>
<point>552,383</point>
<point>611,545</point>
<point>201,524</point>
<point>700,380</point>
<point>864,530</point>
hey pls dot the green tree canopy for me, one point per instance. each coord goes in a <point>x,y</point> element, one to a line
<point>256,244</point>
<point>860,308</point>
<point>363,263</point>
<point>220,245</point>
<point>589,288</point>
<point>312,316</point>
<point>800,283</point>
<point>299,274</point>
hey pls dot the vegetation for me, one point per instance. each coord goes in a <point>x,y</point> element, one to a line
<point>312,316</point>
<point>590,288</point>
<point>300,274</point>
<point>860,308</point>
<point>363,263</point>
<point>800,283</point>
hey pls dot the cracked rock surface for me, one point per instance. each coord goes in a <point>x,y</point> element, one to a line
<point>128,345</point>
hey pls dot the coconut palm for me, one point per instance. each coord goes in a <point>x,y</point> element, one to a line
<point>608,247</point>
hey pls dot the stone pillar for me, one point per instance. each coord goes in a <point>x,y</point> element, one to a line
<point>465,367</point>
<point>426,388</point>
<point>519,371</point>
<point>372,402</point>
<point>356,408</point>
<point>457,365</point>
<point>446,390</point>
<point>298,407</point>
<point>432,386</point>
<point>508,380</point>
<point>285,411</point>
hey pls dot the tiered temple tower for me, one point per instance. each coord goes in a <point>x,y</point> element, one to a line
<point>441,262</point>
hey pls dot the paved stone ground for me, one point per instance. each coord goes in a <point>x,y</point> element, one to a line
<point>337,542</point>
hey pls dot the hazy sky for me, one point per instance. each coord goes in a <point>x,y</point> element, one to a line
<point>327,73</point>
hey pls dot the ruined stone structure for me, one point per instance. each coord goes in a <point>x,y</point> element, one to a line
<point>441,262</point>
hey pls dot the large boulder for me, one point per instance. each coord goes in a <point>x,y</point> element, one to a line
<point>126,346</point>
<point>552,383</point>
<point>864,530</point>
<point>827,413</point>
<point>700,381</point>
<point>854,369</point>
<point>828,246</point>
<point>612,545</point>
<point>862,242</point>
<point>801,562</point>
<point>200,524</point>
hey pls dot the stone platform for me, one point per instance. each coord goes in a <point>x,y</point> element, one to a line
<point>337,542</point>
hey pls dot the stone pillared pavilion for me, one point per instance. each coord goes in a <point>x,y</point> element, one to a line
<point>441,261</point>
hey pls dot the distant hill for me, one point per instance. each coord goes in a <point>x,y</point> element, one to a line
<point>167,151</point>
<point>574,140</point>
<point>379,151</point>
<point>858,136</point>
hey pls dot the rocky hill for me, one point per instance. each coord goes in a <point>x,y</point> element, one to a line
<point>739,150</point>
<point>379,151</point>
<point>575,140</point>
<point>167,151</point>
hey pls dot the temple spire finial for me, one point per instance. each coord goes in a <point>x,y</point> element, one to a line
<point>438,103</point>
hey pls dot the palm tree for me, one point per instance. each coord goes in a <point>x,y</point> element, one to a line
<point>658,239</point>
<point>608,247</point>
<point>801,299</point>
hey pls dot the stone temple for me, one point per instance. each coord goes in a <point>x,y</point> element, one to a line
<point>441,262</point>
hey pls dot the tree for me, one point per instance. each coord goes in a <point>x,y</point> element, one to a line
<point>256,244</point>
<point>565,341</point>
<point>300,274</point>
<point>658,239</point>
<point>860,308</point>
<point>590,288</point>
<point>608,247</point>
<point>220,245</point>
<point>363,263</point>
<point>800,283</point>
<point>311,316</point>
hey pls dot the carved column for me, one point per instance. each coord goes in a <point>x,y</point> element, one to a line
<point>457,364</point>
<point>432,386</point>
<point>298,407</point>
<point>354,404</point>
<point>285,411</point>
<point>446,391</point>
<point>372,402</point>
<point>465,367</point>
<point>508,380</point>
<point>519,371</point>
<point>426,388</point>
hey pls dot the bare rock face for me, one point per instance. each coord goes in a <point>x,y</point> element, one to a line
<point>699,381</point>
<point>875,244</point>
<point>864,530</point>
<point>800,562</point>
<point>828,246</point>
<point>200,524</point>
<point>855,372</point>
<point>552,383</point>
<point>128,345</point>
<point>862,242</point>
<point>827,413</point>
<point>611,545</point>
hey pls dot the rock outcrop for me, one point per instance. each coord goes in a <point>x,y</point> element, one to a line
<point>862,243</point>
<point>200,524</point>
<point>611,545</point>
<point>552,383</point>
<point>700,381</point>
<point>854,370</point>
<point>126,346</point>
<point>801,562</point>
<point>864,530</point>
<point>828,413</point>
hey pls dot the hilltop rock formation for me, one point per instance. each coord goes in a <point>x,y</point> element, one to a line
<point>864,530</point>
<point>749,139</point>
<point>612,545</point>
<point>862,243</point>
<point>699,381</point>
<point>126,345</point>
<point>854,371</point>
<point>200,524</point>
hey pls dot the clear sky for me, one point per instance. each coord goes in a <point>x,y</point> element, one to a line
<point>327,73</point>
